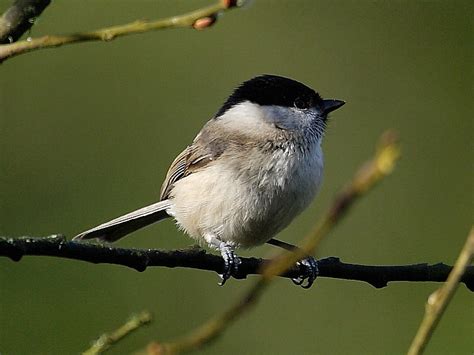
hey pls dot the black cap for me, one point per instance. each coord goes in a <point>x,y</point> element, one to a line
<point>278,91</point>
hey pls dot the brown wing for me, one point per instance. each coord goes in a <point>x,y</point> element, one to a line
<point>175,172</point>
<point>194,157</point>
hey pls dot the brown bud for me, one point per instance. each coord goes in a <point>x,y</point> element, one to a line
<point>229,3</point>
<point>204,22</point>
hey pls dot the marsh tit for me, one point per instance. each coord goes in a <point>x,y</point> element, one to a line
<point>248,173</point>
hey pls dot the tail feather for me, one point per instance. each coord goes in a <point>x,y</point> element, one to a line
<point>128,223</point>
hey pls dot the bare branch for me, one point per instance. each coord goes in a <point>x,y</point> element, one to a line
<point>105,341</point>
<point>197,258</point>
<point>439,300</point>
<point>198,19</point>
<point>19,18</point>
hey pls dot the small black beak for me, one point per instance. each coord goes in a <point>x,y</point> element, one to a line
<point>331,105</point>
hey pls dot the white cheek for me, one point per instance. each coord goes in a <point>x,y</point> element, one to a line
<point>250,117</point>
<point>246,117</point>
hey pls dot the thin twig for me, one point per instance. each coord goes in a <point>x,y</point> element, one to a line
<point>199,19</point>
<point>439,300</point>
<point>105,341</point>
<point>371,173</point>
<point>19,18</point>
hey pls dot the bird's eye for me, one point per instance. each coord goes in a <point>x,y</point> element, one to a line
<point>301,103</point>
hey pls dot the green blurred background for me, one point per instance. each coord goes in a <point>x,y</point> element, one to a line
<point>89,130</point>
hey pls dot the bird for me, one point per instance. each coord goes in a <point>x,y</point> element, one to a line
<point>253,167</point>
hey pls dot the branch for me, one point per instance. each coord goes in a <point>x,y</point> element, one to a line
<point>198,19</point>
<point>196,258</point>
<point>19,18</point>
<point>439,300</point>
<point>105,341</point>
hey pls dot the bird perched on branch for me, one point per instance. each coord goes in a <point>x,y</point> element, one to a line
<point>248,173</point>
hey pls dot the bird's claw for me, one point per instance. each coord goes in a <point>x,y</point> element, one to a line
<point>309,272</point>
<point>231,262</point>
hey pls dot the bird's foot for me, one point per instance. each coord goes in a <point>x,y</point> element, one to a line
<point>309,271</point>
<point>231,262</point>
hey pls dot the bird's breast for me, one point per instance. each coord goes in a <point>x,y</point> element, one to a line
<point>248,199</point>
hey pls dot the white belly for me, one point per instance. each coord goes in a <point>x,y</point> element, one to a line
<point>247,206</point>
